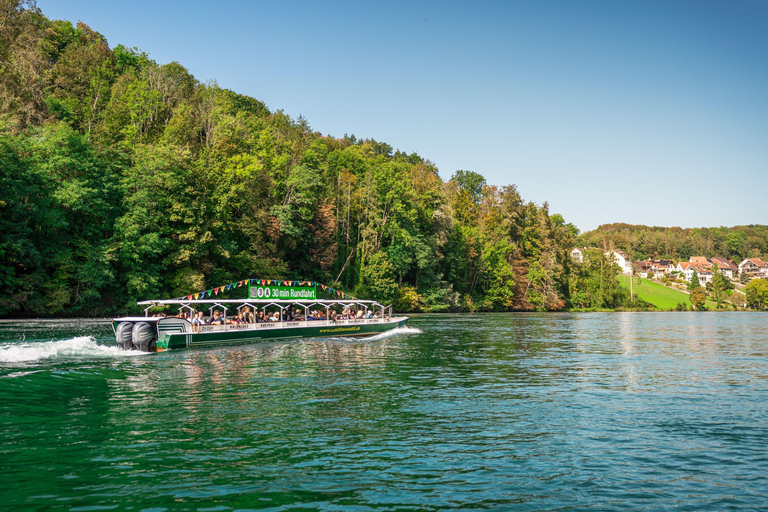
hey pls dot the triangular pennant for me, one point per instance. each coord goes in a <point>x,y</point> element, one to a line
<point>216,291</point>
<point>229,286</point>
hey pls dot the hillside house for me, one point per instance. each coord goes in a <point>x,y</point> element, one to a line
<point>577,254</point>
<point>662,266</point>
<point>726,267</point>
<point>687,269</point>
<point>754,267</point>
<point>641,268</point>
<point>701,261</point>
<point>618,257</point>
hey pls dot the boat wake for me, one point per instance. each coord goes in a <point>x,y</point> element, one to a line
<point>74,348</point>
<point>393,332</point>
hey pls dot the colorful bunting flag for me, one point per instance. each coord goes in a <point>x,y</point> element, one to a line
<point>229,286</point>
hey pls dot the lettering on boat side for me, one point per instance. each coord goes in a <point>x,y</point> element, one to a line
<point>340,329</point>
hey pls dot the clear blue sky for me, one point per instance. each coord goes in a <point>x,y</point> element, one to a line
<point>646,112</point>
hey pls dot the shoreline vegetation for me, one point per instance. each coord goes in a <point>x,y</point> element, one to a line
<point>122,179</point>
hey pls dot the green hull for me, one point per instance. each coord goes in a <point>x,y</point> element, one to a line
<point>174,334</point>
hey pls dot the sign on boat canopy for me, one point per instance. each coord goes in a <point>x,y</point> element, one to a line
<point>282,292</point>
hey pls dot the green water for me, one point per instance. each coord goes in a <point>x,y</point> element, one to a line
<point>603,411</point>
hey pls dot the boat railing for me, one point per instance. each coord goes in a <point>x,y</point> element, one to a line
<point>299,323</point>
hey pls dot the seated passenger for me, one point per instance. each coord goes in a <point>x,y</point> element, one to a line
<point>197,321</point>
<point>359,313</point>
<point>247,315</point>
<point>216,319</point>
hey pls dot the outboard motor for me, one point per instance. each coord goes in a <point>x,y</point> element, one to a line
<point>144,337</point>
<point>123,335</point>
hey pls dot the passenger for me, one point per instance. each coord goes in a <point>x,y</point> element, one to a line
<point>247,315</point>
<point>287,316</point>
<point>274,317</point>
<point>297,315</point>
<point>197,321</point>
<point>216,319</point>
<point>238,320</point>
<point>260,317</point>
<point>359,313</point>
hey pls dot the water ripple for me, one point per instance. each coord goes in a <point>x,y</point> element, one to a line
<point>470,412</point>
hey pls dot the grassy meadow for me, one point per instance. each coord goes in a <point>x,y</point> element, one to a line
<point>656,294</point>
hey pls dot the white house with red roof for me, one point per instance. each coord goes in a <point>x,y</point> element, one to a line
<point>687,268</point>
<point>754,267</point>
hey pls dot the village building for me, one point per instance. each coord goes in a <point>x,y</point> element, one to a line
<point>641,268</point>
<point>754,267</point>
<point>618,257</point>
<point>687,268</point>
<point>662,266</point>
<point>726,267</point>
<point>701,260</point>
<point>577,254</point>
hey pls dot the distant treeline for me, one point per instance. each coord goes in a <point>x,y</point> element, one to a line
<point>122,179</point>
<point>643,242</point>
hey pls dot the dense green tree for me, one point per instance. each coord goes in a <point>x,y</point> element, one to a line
<point>721,286</point>
<point>695,283</point>
<point>698,297</point>
<point>757,294</point>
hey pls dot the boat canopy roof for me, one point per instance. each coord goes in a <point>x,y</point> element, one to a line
<point>306,302</point>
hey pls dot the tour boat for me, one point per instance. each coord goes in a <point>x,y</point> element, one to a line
<point>159,333</point>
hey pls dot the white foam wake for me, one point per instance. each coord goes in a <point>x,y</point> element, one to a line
<point>393,332</point>
<point>80,347</point>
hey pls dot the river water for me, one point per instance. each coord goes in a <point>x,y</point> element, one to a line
<point>595,411</point>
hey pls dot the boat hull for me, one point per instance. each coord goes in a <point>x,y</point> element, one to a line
<point>176,333</point>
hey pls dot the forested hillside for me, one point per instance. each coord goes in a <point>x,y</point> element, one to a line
<point>124,179</point>
<point>644,242</point>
